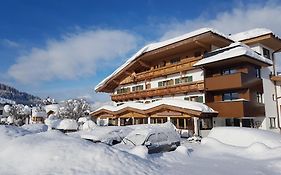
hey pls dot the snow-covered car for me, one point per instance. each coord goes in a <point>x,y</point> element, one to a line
<point>156,138</point>
<point>109,135</point>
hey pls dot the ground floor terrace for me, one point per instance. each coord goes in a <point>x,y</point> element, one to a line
<point>188,117</point>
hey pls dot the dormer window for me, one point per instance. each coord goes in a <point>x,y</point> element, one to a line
<point>266,53</point>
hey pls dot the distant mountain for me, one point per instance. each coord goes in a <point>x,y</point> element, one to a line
<point>11,93</point>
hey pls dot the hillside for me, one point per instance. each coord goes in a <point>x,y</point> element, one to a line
<point>11,93</point>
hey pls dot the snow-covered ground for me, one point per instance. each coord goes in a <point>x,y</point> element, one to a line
<point>30,150</point>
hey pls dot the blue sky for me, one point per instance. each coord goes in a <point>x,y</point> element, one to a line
<point>64,48</point>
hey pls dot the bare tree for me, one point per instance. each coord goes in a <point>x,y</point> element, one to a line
<point>74,109</point>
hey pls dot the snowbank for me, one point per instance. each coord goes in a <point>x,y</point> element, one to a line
<point>67,124</point>
<point>244,137</point>
<point>88,125</point>
<point>55,153</point>
<point>35,128</point>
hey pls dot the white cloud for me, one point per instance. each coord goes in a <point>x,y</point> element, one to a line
<point>238,19</point>
<point>9,43</point>
<point>75,55</point>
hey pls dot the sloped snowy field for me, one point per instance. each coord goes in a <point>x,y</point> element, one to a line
<point>31,151</point>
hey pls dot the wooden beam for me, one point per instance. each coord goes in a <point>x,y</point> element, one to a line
<point>116,82</point>
<point>144,64</point>
<point>202,45</point>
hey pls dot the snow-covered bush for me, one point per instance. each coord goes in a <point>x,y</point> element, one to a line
<point>74,109</point>
<point>17,113</point>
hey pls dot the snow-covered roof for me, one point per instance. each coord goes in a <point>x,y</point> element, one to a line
<point>250,34</point>
<point>154,46</point>
<point>6,101</point>
<point>171,102</point>
<point>231,51</point>
<point>39,114</point>
<point>52,107</point>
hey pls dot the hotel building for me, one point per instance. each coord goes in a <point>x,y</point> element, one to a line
<point>198,81</point>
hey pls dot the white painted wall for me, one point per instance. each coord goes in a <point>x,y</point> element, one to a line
<point>269,95</point>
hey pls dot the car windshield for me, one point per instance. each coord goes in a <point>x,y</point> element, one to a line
<point>135,139</point>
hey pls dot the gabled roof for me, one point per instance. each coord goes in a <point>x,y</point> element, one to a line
<point>230,52</point>
<point>155,46</point>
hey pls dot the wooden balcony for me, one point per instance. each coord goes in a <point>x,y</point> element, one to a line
<point>163,71</point>
<point>238,109</point>
<point>169,90</point>
<point>231,81</point>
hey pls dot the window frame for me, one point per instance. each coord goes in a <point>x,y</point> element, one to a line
<point>266,53</point>
<point>231,95</point>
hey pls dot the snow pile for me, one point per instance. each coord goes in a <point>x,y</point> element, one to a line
<point>52,121</point>
<point>106,134</point>
<point>250,34</point>
<point>171,102</point>
<point>140,151</point>
<point>244,137</point>
<point>67,124</point>
<point>158,45</point>
<point>55,153</point>
<point>88,125</point>
<point>35,128</point>
<point>232,51</point>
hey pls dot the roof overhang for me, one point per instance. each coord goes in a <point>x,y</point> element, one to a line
<point>202,40</point>
<point>151,109</point>
<point>269,40</point>
<point>234,60</point>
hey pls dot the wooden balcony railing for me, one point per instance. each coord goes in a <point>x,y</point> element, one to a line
<point>163,71</point>
<point>237,109</point>
<point>169,90</point>
<point>231,81</point>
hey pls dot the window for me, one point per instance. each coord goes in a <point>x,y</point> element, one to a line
<point>258,72</point>
<point>181,123</point>
<point>123,90</point>
<point>166,83</point>
<point>175,60</point>
<point>152,138</point>
<point>1,112</point>
<point>194,98</point>
<point>206,124</point>
<point>266,53</point>
<point>183,80</point>
<point>228,71</point>
<point>137,88</point>
<point>230,96</point>
<point>272,123</point>
<point>232,122</point>
<point>259,97</point>
<point>161,137</point>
